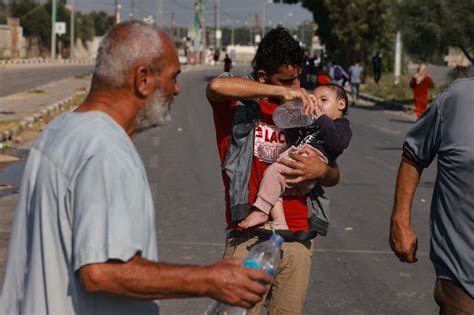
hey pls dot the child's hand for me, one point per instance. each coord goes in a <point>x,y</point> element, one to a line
<point>310,108</point>
<point>316,109</point>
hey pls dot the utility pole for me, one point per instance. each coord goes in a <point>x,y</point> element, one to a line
<point>53,30</point>
<point>117,12</point>
<point>72,42</point>
<point>302,32</point>
<point>204,31</point>
<point>232,34</point>
<point>159,12</point>
<point>264,17</point>
<point>218,24</point>
<point>132,10</point>
<point>398,58</point>
<point>173,24</point>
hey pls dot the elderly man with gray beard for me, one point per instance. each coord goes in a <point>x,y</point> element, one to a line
<point>83,238</point>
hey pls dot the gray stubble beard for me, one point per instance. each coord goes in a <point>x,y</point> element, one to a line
<point>155,113</point>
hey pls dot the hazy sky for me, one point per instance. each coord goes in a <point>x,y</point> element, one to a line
<point>239,12</point>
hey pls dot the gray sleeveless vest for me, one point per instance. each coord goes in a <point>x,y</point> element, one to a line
<point>238,162</point>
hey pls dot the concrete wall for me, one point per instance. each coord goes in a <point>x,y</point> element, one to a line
<point>241,54</point>
<point>12,42</point>
<point>87,50</point>
<point>456,58</point>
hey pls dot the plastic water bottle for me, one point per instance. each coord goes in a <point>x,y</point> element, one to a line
<point>263,256</point>
<point>291,115</point>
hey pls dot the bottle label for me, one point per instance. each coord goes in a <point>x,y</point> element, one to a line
<point>256,265</point>
<point>252,264</point>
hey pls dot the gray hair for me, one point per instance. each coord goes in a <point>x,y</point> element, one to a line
<point>122,48</point>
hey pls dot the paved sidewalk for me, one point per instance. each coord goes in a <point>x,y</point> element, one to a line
<point>21,105</point>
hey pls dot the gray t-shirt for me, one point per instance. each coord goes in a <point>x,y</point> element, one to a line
<point>84,199</point>
<point>446,130</point>
<point>356,73</point>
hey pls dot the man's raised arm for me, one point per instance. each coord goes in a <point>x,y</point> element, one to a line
<point>223,89</point>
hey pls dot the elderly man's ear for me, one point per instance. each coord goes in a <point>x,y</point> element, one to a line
<point>144,82</point>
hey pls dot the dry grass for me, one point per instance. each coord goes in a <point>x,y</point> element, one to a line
<point>7,124</point>
<point>387,89</point>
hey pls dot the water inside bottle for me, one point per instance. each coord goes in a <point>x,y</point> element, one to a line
<point>291,115</point>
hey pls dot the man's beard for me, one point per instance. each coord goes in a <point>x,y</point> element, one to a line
<point>155,113</point>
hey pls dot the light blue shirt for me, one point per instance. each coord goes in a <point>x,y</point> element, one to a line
<point>84,199</point>
<point>446,131</point>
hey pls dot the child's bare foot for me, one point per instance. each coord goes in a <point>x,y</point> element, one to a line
<point>255,218</point>
<point>280,225</point>
<point>271,225</point>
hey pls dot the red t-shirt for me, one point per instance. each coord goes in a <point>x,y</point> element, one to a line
<point>269,143</point>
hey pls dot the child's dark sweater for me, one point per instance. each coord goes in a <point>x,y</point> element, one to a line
<point>329,136</point>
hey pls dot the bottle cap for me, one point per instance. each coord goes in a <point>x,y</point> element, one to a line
<point>277,239</point>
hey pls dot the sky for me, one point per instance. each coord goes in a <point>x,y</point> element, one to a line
<point>237,12</point>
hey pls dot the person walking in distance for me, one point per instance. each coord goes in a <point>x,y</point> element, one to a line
<point>421,83</point>
<point>377,67</point>
<point>227,63</point>
<point>443,132</point>
<point>356,73</point>
<point>84,237</point>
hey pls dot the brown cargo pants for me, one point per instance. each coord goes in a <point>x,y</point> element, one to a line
<point>287,293</point>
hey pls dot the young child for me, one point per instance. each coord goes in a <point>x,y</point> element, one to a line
<point>327,138</point>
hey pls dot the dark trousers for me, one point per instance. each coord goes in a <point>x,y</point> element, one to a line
<point>452,299</point>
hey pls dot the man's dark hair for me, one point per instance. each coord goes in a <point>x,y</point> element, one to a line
<point>340,95</point>
<point>278,48</point>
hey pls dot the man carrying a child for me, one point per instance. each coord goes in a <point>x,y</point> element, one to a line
<point>248,142</point>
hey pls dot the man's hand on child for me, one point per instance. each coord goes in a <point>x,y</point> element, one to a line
<point>302,168</point>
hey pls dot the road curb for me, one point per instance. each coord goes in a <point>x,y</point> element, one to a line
<point>29,121</point>
<point>45,60</point>
<point>390,105</point>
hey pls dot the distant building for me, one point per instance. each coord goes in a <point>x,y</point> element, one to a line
<point>241,54</point>
<point>316,47</point>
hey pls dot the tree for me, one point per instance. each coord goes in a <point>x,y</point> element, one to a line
<point>429,27</point>
<point>34,18</point>
<point>3,12</point>
<point>352,29</point>
<point>84,26</point>
<point>102,22</point>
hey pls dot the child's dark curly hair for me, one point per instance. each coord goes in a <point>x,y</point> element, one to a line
<point>278,48</point>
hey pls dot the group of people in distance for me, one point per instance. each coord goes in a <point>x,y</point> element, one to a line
<point>84,238</point>
<point>315,73</point>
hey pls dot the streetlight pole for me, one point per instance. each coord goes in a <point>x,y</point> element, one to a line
<point>53,30</point>
<point>398,58</point>
<point>218,32</point>
<point>204,31</point>
<point>117,12</point>
<point>159,13</point>
<point>71,45</point>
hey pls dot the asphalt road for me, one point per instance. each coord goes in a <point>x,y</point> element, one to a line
<point>14,79</point>
<point>354,271</point>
